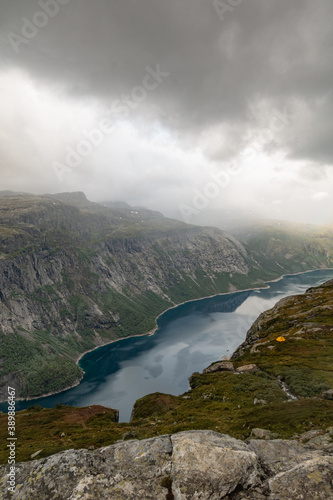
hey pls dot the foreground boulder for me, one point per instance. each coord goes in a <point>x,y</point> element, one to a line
<point>309,480</point>
<point>211,465</point>
<point>189,465</point>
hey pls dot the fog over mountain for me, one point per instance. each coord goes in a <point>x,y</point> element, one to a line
<point>184,106</point>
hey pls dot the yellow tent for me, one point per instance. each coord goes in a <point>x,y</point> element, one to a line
<point>280,339</point>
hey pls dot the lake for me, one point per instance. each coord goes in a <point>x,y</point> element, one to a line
<point>188,339</point>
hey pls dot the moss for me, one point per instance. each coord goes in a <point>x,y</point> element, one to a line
<point>153,404</point>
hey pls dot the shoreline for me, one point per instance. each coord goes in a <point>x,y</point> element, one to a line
<point>77,360</point>
<point>154,330</point>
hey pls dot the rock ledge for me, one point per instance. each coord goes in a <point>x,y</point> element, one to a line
<point>189,465</point>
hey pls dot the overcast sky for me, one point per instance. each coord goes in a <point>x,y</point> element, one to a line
<point>184,106</point>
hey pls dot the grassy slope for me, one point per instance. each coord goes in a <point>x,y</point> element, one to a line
<point>221,401</point>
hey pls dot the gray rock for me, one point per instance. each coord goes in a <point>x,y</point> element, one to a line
<point>280,455</point>
<point>248,368</point>
<point>209,465</point>
<point>193,465</point>
<point>221,366</point>
<point>318,439</point>
<point>123,471</point>
<point>259,402</point>
<point>307,436</point>
<point>327,395</point>
<point>307,481</point>
<point>201,464</point>
<point>263,434</point>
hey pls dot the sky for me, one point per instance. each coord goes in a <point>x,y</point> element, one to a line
<point>190,107</point>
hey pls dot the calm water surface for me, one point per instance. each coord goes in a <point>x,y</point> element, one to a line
<point>189,338</point>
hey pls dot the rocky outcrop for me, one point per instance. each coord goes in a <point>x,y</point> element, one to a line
<point>210,465</point>
<point>327,395</point>
<point>263,433</point>
<point>227,366</point>
<point>311,479</point>
<point>220,366</point>
<point>189,465</point>
<point>248,368</point>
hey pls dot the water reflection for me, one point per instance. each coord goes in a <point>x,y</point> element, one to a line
<point>190,337</point>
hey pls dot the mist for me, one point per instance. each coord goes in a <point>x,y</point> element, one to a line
<point>201,111</point>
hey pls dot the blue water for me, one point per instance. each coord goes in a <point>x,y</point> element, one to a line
<point>189,338</point>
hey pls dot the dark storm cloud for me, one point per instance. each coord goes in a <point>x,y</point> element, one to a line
<point>279,50</point>
<point>233,66</point>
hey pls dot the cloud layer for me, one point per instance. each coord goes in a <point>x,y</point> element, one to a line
<point>145,100</point>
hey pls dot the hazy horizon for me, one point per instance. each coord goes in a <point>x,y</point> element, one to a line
<point>227,220</point>
<point>189,107</point>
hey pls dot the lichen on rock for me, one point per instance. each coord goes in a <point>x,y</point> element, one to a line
<point>190,465</point>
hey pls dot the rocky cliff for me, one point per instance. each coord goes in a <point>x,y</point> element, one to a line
<point>189,465</point>
<point>76,274</point>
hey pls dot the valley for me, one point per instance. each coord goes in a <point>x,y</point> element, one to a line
<point>76,275</point>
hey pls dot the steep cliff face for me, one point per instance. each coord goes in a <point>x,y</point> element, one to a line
<point>75,274</point>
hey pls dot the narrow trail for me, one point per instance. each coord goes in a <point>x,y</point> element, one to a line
<point>285,388</point>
